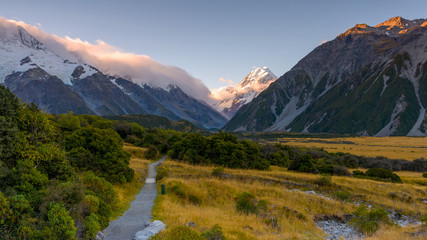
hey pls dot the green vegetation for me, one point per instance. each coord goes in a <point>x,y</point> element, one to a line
<point>152,121</point>
<point>368,220</point>
<point>56,172</point>
<point>378,174</point>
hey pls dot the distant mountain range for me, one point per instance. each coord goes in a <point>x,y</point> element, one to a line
<point>37,74</point>
<point>232,98</point>
<point>367,81</point>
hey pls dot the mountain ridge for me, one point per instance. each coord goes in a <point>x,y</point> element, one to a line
<point>37,74</point>
<point>357,62</point>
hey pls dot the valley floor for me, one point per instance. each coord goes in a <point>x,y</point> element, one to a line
<point>295,201</point>
<point>408,148</point>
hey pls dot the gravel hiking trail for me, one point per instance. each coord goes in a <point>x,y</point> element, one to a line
<point>139,213</point>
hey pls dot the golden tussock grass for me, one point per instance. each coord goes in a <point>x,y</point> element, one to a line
<point>409,148</point>
<point>210,200</point>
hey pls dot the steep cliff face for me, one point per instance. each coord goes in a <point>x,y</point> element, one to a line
<point>368,80</point>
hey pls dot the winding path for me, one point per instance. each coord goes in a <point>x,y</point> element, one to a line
<point>139,213</point>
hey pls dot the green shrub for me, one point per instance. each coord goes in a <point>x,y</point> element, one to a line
<point>162,172</point>
<point>341,171</point>
<point>178,233</point>
<point>358,173</point>
<point>218,172</point>
<point>246,203</point>
<point>215,233</point>
<point>324,180</point>
<point>303,164</point>
<point>152,152</point>
<point>384,174</point>
<point>91,225</point>
<point>368,220</point>
<point>60,225</point>
<point>342,195</point>
<point>425,174</point>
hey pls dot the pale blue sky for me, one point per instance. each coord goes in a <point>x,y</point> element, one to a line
<point>210,39</point>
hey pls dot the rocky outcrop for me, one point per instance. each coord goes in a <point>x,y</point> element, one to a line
<point>152,229</point>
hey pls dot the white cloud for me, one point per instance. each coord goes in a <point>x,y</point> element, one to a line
<point>112,60</point>
<point>228,81</point>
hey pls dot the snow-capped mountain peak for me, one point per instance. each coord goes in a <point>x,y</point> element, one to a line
<point>20,51</point>
<point>231,98</point>
<point>260,75</point>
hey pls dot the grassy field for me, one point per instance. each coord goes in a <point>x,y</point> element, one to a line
<point>127,191</point>
<point>408,148</point>
<point>194,195</point>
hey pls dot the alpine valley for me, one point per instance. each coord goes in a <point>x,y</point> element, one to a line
<point>36,74</point>
<point>367,81</point>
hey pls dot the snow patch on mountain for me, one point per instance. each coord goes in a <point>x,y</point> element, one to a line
<point>113,61</point>
<point>18,45</point>
<point>289,113</point>
<point>231,98</point>
<point>394,119</point>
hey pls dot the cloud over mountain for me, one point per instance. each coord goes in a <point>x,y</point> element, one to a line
<point>114,61</point>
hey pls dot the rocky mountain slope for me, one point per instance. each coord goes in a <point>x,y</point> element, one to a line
<point>367,81</point>
<point>232,98</point>
<point>38,75</point>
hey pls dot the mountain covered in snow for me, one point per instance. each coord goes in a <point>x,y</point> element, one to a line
<point>37,74</point>
<point>232,98</point>
<point>370,80</point>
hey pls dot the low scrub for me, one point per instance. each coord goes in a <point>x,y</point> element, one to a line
<point>215,233</point>
<point>378,174</point>
<point>324,181</point>
<point>368,220</point>
<point>178,233</point>
<point>162,172</point>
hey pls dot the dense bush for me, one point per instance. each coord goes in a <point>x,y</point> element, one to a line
<point>221,149</point>
<point>99,150</point>
<point>425,174</point>
<point>152,152</point>
<point>302,164</point>
<point>383,174</point>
